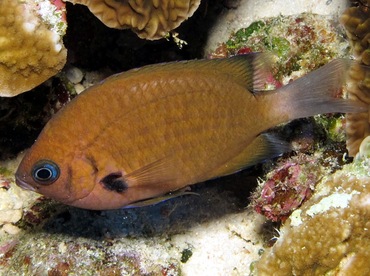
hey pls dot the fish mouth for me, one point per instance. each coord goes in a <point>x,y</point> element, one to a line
<point>23,184</point>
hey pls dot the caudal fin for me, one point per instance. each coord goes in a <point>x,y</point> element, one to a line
<point>319,92</point>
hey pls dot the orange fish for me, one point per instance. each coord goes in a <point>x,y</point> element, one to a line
<point>151,131</point>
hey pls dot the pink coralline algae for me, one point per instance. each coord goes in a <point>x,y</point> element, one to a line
<point>287,187</point>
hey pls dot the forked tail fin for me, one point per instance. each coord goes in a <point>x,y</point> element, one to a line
<point>319,92</point>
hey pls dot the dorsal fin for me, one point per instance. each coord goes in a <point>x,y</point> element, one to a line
<point>250,70</point>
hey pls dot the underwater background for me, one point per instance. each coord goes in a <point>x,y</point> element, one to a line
<point>304,213</point>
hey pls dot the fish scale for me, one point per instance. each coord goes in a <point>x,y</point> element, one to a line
<point>138,136</point>
<point>189,131</point>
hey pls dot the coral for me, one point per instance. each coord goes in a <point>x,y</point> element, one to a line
<point>357,124</point>
<point>330,233</point>
<point>150,19</point>
<point>356,20</point>
<point>30,44</point>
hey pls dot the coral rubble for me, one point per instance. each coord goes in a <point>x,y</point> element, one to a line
<point>150,19</point>
<point>30,44</point>
<point>182,237</point>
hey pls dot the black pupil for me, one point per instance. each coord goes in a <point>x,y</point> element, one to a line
<point>44,174</point>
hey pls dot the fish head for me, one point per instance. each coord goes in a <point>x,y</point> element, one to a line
<point>45,175</point>
<point>74,179</point>
<point>57,173</point>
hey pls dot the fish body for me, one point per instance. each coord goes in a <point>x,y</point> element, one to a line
<point>149,131</point>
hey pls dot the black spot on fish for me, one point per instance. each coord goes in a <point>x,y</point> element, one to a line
<point>114,182</point>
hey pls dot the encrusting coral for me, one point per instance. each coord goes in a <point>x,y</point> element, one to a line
<point>330,234</point>
<point>150,19</point>
<point>356,20</point>
<point>31,49</point>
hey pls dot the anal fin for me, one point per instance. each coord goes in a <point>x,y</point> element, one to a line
<point>155,200</point>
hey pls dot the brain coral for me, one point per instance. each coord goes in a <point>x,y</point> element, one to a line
<point>150,19</point>
<point>356,20</point>
<point>330,234</point>
<point>31,50</point>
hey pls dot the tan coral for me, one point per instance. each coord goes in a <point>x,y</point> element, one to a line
<point>357,124</point>
<point>150,19</point>
<point>31,50</point>
<point>330,234</point>
<point>356,20</point>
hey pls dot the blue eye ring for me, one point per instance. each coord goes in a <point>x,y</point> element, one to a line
<point>45,172</point>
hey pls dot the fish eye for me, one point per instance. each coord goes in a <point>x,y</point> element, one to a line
<point>45,172</point>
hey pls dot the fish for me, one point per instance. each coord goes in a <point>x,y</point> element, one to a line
<point>147,133</point>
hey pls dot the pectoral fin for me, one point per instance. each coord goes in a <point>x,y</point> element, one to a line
<point>156,173</point>
<point>155,178</point>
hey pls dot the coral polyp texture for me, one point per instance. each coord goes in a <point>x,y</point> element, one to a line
<point>149,19</point>
<point>357,124</point>
<point>356,21</point>
<point>31,47</point>
<point>330,234</point>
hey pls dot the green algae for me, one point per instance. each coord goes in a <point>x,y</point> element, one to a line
<point>242,35</point>
<point>278,45</point>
